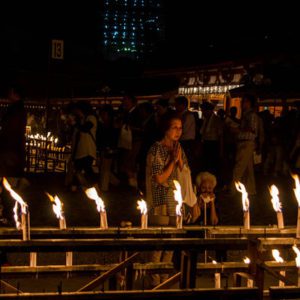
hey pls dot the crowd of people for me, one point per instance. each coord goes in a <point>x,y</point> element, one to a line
<point>144,145</point>
<point>150,146</point>
<point>217,143</point>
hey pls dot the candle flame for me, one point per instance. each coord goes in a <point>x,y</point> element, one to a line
<point>19,201</point>
<point>247,260</point>
<point>57,206</point>
<point>241,188</point>
<point>15,195</point>
<point>92,194</point>
<point>214,262</point>
<point>276,255</point>
<point>274,192</point>
<point>16,218</point>
<point>142,206</point>
<point>297,189</point>
<point>297,259</point>
<point>178,197</point>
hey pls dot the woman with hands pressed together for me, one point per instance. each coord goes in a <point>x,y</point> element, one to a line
<point>164,160</point>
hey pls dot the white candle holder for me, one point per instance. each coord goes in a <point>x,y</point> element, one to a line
<point>103,220</point>
<point>280,220</point>
<point>250,283</point>
<point>179,222</point>
<point>69,258</point>
<point>33,259</point>
<point>247,220</point>
<point>25,223</point>
<point>217,280</point>
<point>62,223</point>
<point>144,221</point>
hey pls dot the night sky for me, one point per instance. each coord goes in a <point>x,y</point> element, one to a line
<point>196,32</point>
<point>221,30</point>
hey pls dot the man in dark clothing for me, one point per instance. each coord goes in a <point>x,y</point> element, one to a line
<point>12,136</point>
<point>12,149</point>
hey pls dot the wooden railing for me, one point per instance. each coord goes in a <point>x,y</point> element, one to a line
<point>134,241</point>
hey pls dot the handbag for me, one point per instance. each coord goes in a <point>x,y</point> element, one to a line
<point>125,138</point>
<point>190,211</point>
<point>185,180</point>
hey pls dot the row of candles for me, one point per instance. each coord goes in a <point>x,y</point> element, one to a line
<point>49,141</point>
<point>142,206</point>
<point>277,258</point>
<point>274,192</point>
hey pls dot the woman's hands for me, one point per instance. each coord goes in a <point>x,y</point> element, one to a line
<point>176,155</point>
<point>176,152</point>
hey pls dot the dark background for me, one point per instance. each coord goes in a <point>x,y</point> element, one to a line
<point>196,32</point>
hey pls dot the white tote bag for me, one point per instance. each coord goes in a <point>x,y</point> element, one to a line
<point>125,138</point>
<point>184,178</point>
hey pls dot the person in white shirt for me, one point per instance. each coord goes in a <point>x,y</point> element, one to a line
<point>188,128</point>
<point>212,139</point>
<point>84,149</point>
<point>246,138</point>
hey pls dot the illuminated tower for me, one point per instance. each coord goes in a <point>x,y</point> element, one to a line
<point>131,28</point>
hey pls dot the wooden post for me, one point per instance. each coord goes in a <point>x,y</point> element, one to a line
<point>188,269</point>
<point>33,259</point>
<point>69,258</point>
<point>103,277</point>
<point>255,255</point>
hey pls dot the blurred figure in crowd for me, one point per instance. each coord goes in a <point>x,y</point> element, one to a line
<point>84,150</point>
<point>12,152</point>
<point>12,135</point>
<point>130,140</point>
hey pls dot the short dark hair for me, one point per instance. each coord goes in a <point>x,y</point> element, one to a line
<point>131,97</point>
<point>83,106</point>
<point>207,105</point>
<point>182,100</point>
<point>162,102</point>
<point>166,120</point>
<point>251,98</point>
